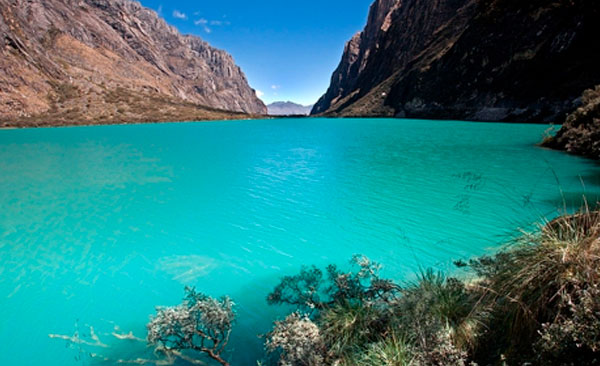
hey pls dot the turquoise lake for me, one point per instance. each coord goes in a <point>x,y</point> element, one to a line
<point>101,224</point>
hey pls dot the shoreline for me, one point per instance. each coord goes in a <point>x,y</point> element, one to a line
<point>26,125</point>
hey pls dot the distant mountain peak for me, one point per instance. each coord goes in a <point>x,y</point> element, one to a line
<point>288,108</point>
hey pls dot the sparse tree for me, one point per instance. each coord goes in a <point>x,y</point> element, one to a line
<point>310,289</point>
<point>201,323</point>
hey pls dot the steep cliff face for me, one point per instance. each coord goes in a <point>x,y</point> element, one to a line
<point>101,58</point>
<point>356,55</point>
<point>485,60</point>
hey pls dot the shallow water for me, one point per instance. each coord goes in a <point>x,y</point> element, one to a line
<point>100,224</point>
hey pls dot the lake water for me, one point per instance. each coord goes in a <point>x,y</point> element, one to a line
<point>101,224</point>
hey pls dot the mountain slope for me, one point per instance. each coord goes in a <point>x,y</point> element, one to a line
<point>288,109</point>
<point>486,60</point>
<point>110,60</point>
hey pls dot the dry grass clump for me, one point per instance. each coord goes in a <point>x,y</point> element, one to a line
<point>392,351</point>
<point>348,326</point>
<point>437,309</point>
<point>543,292</point>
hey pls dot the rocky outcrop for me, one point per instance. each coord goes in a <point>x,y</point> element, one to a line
<point>581,132</point>
<point>483,60</point>
<point>109,60</point>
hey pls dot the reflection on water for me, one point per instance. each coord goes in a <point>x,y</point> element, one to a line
<point>101,224</point>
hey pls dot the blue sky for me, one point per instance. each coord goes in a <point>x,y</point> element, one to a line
<point>287,49</point>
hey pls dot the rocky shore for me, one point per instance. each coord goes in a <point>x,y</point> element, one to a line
<point>580,134</point>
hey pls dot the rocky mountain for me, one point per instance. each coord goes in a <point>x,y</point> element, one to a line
<point>86,61</point>
<point>288,109</point>
<point>581,132</point>
<point>483,60</point>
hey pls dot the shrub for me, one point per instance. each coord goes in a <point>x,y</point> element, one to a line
<point>200,323</point>
<point>441,350</point>
<point>310,290</point>
<point>298,340</point>
<point>365,316</point>
<point>303,290</point>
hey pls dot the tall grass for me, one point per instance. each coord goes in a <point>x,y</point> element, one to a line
<point>347,327</point>
<point>532,286</point>
<point>391,351</point>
